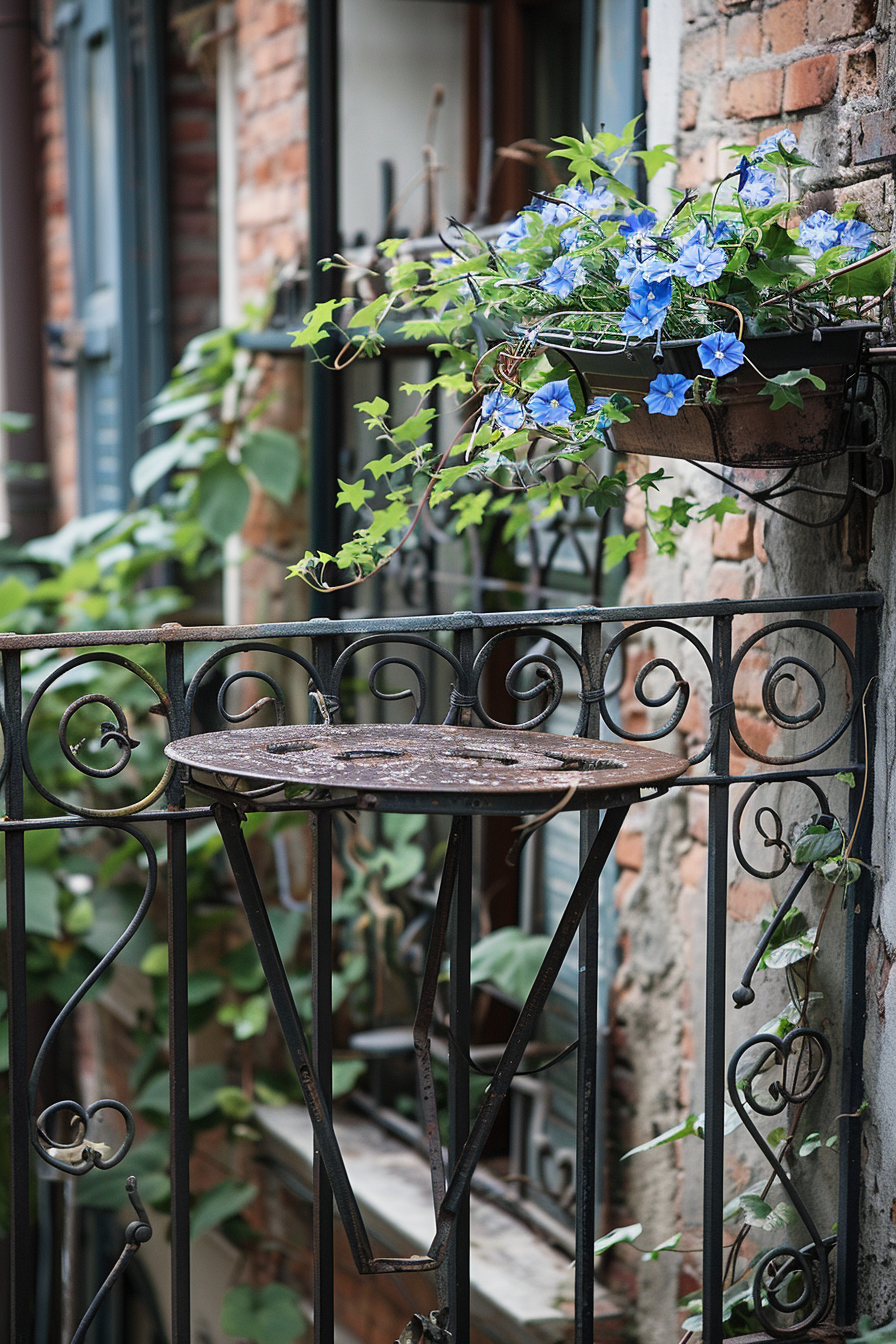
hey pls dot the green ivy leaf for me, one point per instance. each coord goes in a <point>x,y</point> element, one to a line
<point>272,456</point>
<point>817,842</point>
<point>617,547</point>
<point>621,1236</point>
<point>846,777</point>
<point>717,511</point>
<point>809,1144</point>
<point>354,494</point>
<point>318,323</point>
<point>222,500</point>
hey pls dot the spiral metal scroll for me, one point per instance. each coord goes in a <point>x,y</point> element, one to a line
<point>680,689</point>
<point>114,731</point>
<point>785,670</point>
<point>278,699</point>
<point>549,679</point>
<point>807,1050</point>
<point>82,1155</point>
<point>770,827</point>
<point>418,694</point>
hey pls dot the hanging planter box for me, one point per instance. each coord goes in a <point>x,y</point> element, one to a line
<point>741,429</point>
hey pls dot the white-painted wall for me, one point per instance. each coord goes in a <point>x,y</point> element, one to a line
<point>394,53</point>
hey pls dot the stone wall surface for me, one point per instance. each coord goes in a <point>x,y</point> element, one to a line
<point>748,69</point>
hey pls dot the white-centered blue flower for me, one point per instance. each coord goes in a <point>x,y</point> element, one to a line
<point>556,212</point>
<point>552,404</point>
<point>513,235</point>
<point>700,265</point>
<point>779,140</point>
<point>505,411</point>
<point>637,226</point>
<point>644,288</point>
<point>721,353</point>
<point>758,187</point>
<point>641,319</point>
<point>562,277</point>
<point>667,393</point>
<point>819,232</point>
<point>857,237</point>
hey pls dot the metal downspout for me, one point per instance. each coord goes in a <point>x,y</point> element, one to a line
<point>21,295</point>
<point>323,241</point>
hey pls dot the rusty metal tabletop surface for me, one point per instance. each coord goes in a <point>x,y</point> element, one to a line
<point>426,768</point>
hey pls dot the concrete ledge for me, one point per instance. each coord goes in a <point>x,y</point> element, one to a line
<point>521,1288</point>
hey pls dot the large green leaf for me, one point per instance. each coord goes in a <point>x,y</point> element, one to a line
<point>874,278</point>
<point>205,1080</point>
<point>268,1315</point>
<point>272,456</point>
<point>510,960</point>
<point>41,904</point>
<point>620,1236</point>
<point>222,499</point>
<point>218,1204</point>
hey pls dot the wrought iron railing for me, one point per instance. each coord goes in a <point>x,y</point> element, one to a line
<point>812,672</point>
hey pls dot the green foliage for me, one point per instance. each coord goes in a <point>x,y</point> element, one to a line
<point>510,960</point>
<point>268,1315</point>
<point>499,326</point>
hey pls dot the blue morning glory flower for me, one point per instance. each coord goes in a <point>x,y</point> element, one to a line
<point>506,411</point>
<point>725,229</point>
<point>856,236</point>
<point>642,319</point>
<point>637,225</point>
<point>667,393</point>
<point>758,187</point>
<point>699,265</point>
<point>552,404</point>
<point>599,201</point>
<point>514,234</point>
<point>656,292</point>
<point>569,238</point>
<point>721,353</point>
<point>779,140</point>
<point>562,277</point>
<point>627,268</point>
<point>819,232</point>
<point>556,212</point>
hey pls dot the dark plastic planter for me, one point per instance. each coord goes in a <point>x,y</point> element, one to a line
<point>743,430</point>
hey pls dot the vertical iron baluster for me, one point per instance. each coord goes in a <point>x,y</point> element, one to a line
<point>458,1068</point>
<point>17,1008</point>
<point>178,1028</point>
<point>591,1063</point>
<point>323,657</point>
<point>459,1082</point>
<point>587,1110</point>
<point>716,935</point>
<point>322,1056</point>
<point>859,901</point>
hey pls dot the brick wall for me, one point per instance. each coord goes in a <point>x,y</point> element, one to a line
<point>747,67</point>
<point>59,383</point>
<point>192,198</point>
<point>272,205</point>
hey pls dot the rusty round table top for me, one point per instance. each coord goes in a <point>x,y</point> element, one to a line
<point>421,768</point>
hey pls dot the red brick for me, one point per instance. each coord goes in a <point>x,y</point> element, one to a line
<point>743,37</point>
<point>702,53</point>
<point>630,849</point>
<point>858,75</point>
<point>756,95</point>
<point>732,539</point>
<point>784,27</point>
<point>810,83</point>
<point>687,109</point>
<point>747,900</point>
<point>830,19</point>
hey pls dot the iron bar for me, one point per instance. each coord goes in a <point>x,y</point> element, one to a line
<point>716,945</point>
<point>322,1056</point>
<point>459,1084</point>
<point>178,1028</point>
<point>17,1009</point>
<point>859,904</point>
